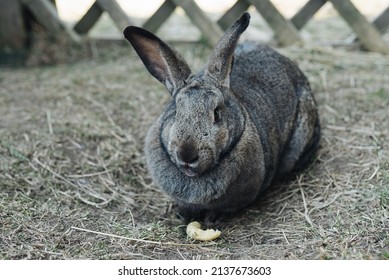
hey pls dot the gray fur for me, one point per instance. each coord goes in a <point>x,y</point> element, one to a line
<point>229,130</point>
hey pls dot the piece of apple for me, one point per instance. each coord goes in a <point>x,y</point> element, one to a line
<point>194,231</point>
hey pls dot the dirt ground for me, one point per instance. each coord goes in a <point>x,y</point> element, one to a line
<point>73,181</point>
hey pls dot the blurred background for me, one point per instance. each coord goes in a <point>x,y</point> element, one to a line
<point>326,25</point>
<point>19,23</point>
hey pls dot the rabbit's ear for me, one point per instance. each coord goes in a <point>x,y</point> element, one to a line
<point>162,61</point>
<point>220,61</point>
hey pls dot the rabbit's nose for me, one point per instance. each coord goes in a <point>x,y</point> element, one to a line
<point>188,153</point>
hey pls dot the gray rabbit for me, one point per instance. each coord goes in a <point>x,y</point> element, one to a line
<point>247,118</point>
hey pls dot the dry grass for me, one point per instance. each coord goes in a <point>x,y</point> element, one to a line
<point>74,183</point>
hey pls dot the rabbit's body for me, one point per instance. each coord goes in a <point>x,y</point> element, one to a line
<point>280,103</point>
<point>229,130</point>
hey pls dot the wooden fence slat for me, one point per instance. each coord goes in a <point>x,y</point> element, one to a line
<point>284,32</point>
<point>160,16</point>
<point>210,30</point>
<point>307,12</point>
<point>89,19</point>
<point>233,13</point>
<point>54,5</point>
<point>382,21</point>
<point>116,13</point>
<point>366,32</point>
<point>46,14</point>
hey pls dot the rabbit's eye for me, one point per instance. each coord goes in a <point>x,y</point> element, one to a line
<point>217,115</point>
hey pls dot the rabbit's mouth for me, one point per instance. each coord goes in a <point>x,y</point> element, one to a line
<point>189,171</point>
<point>194,166</point>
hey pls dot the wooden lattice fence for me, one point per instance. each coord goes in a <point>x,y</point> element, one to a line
<point>13,32</point>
